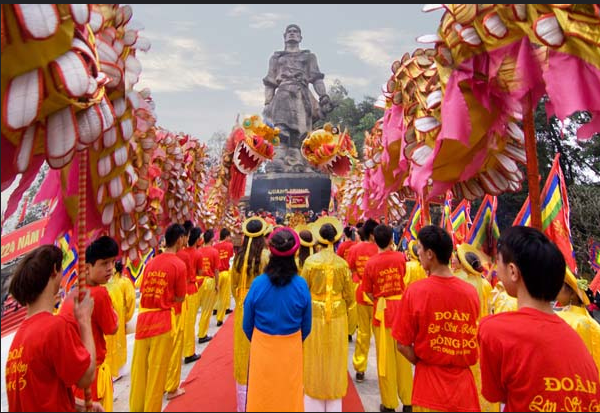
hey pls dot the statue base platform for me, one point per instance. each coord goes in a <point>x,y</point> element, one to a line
<point>269,190</point>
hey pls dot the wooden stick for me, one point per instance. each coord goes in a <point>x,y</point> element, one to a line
<point>532,163</point>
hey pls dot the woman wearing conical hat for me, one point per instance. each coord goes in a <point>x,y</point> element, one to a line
<point>248,263</point>
<point>326,348</point>
<point>307,245</point>
<point>470,269</point>
<point>573,299</point>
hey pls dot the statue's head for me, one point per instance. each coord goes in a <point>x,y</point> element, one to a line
<point>292,33</point>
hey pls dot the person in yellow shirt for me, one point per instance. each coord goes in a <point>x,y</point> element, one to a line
<point>470,269</point>
<point>326,348</point>
<point>307,244</point>
<point>573,299</point>
<point>249,263</point>
<point>122,295</point>
<point>414,269</point>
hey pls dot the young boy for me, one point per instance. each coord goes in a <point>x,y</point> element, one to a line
<point>100,258</point>
<point>49,354</point>
<point>436,330</point>
<point>532,360</point>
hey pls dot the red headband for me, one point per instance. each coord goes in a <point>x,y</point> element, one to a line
<point>289,252</point>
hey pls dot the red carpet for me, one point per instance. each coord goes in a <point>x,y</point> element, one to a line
<point>210,386</point>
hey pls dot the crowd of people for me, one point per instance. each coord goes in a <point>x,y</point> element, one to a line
<point>451,332</point>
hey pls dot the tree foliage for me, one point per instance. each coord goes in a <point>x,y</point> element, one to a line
<point>356,117</point>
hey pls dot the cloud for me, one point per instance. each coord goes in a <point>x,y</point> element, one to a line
<point>375,47</point>
<point>257,20</point>
<point>252,97</point>
<point>180,64</point>
<point>346,80</point>
<point>239,10</point>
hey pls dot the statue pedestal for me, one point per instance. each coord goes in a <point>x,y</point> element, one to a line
<point>269,190</point>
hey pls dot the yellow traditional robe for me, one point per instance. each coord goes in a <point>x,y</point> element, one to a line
<point>587,328</point>
<point>326,348</point>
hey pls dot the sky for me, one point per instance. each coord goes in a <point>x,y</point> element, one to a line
<point>207,61</point>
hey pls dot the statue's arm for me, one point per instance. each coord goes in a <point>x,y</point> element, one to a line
<point>316,78</point>
<point>270,81</point>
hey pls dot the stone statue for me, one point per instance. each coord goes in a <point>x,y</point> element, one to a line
<point>289,103</point>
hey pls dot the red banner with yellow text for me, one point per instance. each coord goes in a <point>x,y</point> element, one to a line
<point>22,240</point>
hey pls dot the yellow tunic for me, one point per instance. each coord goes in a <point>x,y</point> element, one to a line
<point>414,272</point>
<point>587,328</point>
<point>122,296</point>
<point>241,345</point>
<point>326,348</point>
<point>501,301</point>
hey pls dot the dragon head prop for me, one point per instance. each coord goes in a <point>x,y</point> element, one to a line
<point>330,150</point>
<point>253,143</point>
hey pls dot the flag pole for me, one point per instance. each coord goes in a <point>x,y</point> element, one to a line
<point>81,274</point>
<point>532,163</point>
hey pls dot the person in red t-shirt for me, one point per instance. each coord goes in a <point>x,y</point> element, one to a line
<point>192,298</point>
<point>100,258</point>
<point>436,330</point>
<point>531,359</point>
<point>164,286</point>
<point>357,259</point>
<point>383,282</point>
<point>345,245</point>
<point>49,353</point>
<point>225,248</point>
<point>208,258</point>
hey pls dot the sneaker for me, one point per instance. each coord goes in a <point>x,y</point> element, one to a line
<point>360,376</point>
<point>349,338</point>
<point>204,339</point>
<point>382,408</point>
<point>191,359</point>
<point>228,311</point>
<point>407,408</point>
<point>219,323</point>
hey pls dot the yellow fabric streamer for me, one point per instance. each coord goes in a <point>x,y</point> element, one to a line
<point>380,315</point>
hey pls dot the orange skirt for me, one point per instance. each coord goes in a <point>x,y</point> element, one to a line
<point>275,381</point>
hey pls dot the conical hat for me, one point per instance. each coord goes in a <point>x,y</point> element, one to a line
<point>333,221</point>
<point>305,227</point>
<point>571,281</point>
<point>411,245</point>
<point>254,234</point>
<point>462,250</point>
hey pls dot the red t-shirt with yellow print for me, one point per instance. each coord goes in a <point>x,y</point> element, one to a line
<point>208,259</point>
<point>358,256</point>
<point>46,358</point>
<point>225,249</point>
<point>534,361</point>
<point>438,317</point>
<point>188,255</point>
<point>165,278</point>
<point>384,277</point>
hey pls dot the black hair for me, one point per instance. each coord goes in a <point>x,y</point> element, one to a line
<point>474,261</point>
<point>208,236</point>
<point>383,235</point>
<point>541,263</point>
<point>33,272</point>
<point>194,235</point>
<point>327,232</point>
<point>349,233</point>
<point>361,234</point>
<point>281,269</point>
<point>172,234</point>
<point>119,266</point>
<point>368,228</point>
<point>224,233</point>
<point>258,244</point>
<point>304,252</point>
<point>437,240</point>
<point>187,226</point>
<point>101,249</point>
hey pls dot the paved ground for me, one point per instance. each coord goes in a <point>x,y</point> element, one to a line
<point>368,389</point>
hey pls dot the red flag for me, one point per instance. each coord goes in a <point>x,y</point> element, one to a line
<point>555,213</point>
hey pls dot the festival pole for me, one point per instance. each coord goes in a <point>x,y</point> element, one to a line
<point>532,163</point>
<point>81,274</point>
